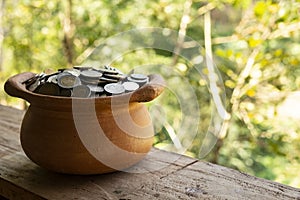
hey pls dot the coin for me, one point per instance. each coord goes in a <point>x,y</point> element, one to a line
<point>108,80</point>
<point>85,82</point>
<point>31,80</point>
<point>82,68</point>
<point>112,69</point>
<point>74,72</point>
<point>49,89</point>
<point>107,71</point>
<point>130,86</point>
<point>96,88</point>
<point>52,79</point>
<point>90,74</point>
<point>81,91</point>
<point>65,92</point>
<point>114,76</point>
<point>140,82</point>
<point>114,88</point>
<point>32,87</point>
<point>90,81</point>
<point>138,76</point>
<point>42,76</point>
<point>66,80</point>
<point>48,76</point>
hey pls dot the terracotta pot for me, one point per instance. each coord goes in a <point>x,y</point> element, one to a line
<point>86,135</point>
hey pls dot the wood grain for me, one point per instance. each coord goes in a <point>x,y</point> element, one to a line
<point>164,175</point>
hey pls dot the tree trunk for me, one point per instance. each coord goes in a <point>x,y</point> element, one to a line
<point>68,29</point>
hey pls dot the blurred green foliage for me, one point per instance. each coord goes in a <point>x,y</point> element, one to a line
<point>256,47</point>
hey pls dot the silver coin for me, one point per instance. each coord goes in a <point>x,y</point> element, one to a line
<point>81,91</point>
<point>108,80</point>
<point>130,86</point>
<point>96,88</point>
<point>91,74</point>
<point>31,80</point>
<point>52,79</point>
<point>65,92</point>
<point>114,88</point>
<point>81,68</point>
<point>34,85</point>
<point>42,75</point>
<point>66,80</point>
<point>140,82</point>
<point>49,89</point>
<point>112,69</point>
<point>74,72</point>
<point>108,71</point>
<point>138,76</point>
<point>114,76</point>
<point>89,81</point>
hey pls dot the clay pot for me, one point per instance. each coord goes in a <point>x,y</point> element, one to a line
<point>86,135</point>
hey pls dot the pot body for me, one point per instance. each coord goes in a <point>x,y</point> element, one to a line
<point>86,135</point>
<point>79,140</point>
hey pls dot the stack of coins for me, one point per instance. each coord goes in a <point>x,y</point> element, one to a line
<point>85,82</point>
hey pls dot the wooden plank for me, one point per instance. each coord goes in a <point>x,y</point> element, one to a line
<point>17,169</point>
<point>11,191</point>
<point>10,124</point>
<point>161,175</point>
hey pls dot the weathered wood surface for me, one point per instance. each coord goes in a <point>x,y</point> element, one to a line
<point>177,177</point>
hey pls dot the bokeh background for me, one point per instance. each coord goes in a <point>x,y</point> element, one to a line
<point>255,45</point>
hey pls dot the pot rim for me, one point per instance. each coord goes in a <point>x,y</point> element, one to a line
<point>15,87</point>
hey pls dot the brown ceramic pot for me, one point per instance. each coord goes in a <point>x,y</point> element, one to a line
<point>86,135</point>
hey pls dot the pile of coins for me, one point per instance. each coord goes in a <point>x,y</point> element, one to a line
<point>85,82</point>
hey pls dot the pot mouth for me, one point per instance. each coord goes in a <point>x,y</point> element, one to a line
<point>14,86</point>
<point>60,102</point>
<point>103,99</point>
